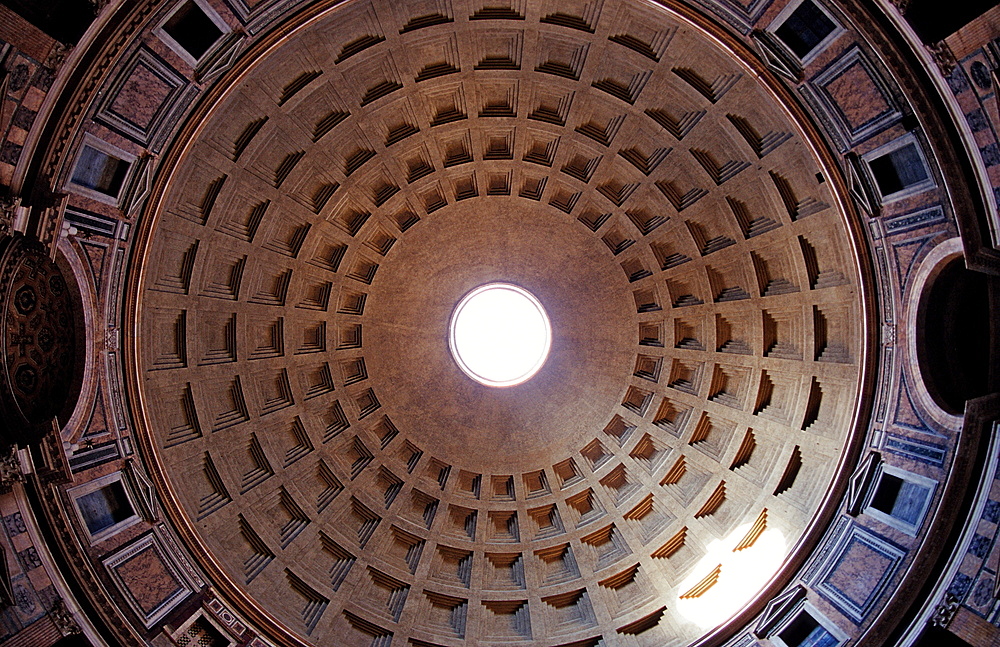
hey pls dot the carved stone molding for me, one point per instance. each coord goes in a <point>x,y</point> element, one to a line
<point>54,465</point>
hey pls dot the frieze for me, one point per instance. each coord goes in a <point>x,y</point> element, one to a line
<point>111,339</point>
<point>227,617</point>
<point>888,334</point>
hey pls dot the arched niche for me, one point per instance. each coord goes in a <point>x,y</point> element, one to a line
<point>41,364</point>
<point>72,263</point>
<point>952,331</point>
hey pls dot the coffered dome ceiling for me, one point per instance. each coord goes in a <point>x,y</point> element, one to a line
<point>320,218</point>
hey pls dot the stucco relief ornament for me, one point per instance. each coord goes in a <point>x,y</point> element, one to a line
<point>10,470</point>
<point>98,5</point>
<point>8,213</point>
<point>945,611</point>
<point>57,56</point>
<point>63,619</point>
<point>944,57</point>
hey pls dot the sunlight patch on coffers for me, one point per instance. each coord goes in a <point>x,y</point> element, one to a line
<point>733,577</point>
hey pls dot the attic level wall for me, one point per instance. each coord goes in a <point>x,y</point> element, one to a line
<point>967,628</point>
<point>37,605</point>
<point>24,36</point>
<point>968,61</point>
<point>926,18</point>
<point>63,20</point>
<point>30,59</point>
<point>975,34</point>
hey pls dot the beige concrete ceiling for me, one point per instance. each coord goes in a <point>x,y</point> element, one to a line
<point>331,208</point>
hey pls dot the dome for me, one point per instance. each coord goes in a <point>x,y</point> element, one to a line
<point>275,250</point>
<point>330,209</point>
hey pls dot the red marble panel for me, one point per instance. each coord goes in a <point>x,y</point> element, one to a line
<point>141,96</point>
<point>857,96</point>
<point>150,582</point>
<point>859,571</point>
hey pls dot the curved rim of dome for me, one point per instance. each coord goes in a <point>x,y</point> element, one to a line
<point>475,369</point>
<point>707,27</point>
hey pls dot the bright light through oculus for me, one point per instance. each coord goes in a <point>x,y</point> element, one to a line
<point>499,334</point>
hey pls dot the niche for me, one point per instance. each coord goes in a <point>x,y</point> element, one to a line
<point>953,335</point>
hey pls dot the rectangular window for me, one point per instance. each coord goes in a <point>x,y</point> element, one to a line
<point>805,29</point>
<point>99,171</point>
<point>900,499</point>
<point>192,29</point>
<point>805,631</point>
<point>104,506</point>
<point>898,170</point>
<point>807,628</point>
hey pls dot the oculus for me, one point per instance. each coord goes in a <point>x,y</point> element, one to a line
<point>499,335</point>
